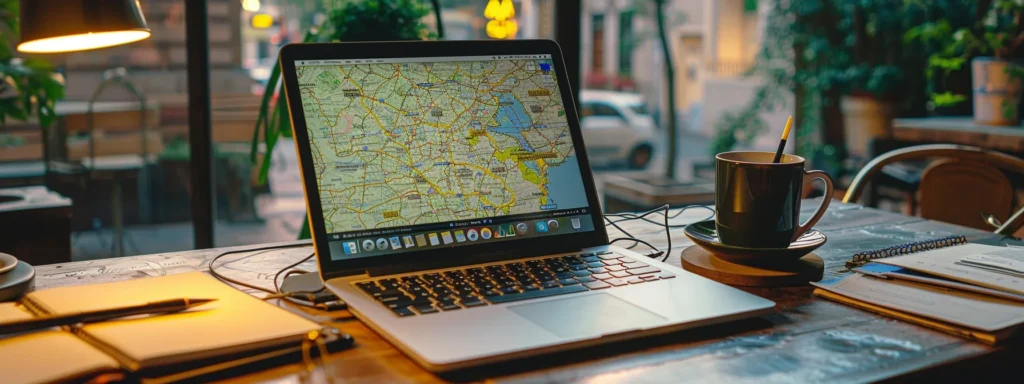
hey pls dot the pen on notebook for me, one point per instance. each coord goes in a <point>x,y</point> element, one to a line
<point>782,143</point>
<point>154,307</point>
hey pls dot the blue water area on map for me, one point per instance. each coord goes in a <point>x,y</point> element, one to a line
<point>512,119</point>
<point>532,164</point>
<point>565,185</point>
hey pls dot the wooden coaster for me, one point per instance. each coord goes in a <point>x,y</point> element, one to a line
<point>790,273</point>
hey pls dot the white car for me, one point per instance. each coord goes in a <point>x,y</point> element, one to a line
<point>616,128</point>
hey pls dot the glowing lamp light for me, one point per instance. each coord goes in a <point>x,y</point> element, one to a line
<point>82,42</point>
<point>262,20</point>
<point>251,5</point>
<point>52,26</point>
<point>502,25</point>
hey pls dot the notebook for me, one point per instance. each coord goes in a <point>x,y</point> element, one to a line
<point>975,264</point>
<point>971,290</point>
<point>235,325</point>
<point>862,258</point>
<point>960,313</point>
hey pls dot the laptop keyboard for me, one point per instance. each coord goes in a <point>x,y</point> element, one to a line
<point>515,281</point>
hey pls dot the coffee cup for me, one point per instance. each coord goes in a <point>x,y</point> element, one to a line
<point>757,202</point>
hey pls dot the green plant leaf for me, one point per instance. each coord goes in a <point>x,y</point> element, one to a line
<point>304,231</point>
<point>284,123</point>
<point>270,138</point>
<point>261,119</point>
<point>1009,109</point>
<point>947,99</point>
<point>947,63</point>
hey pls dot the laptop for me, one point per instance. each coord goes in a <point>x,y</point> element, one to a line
<point>452,206</point>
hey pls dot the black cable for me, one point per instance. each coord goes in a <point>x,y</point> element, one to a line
<point>643,216</point>
<point>218,276</point>
<point>291,297</point>
<point>612,223</point>
<point>656,253</point>
<point>668,235</point>
<point>663,210</point>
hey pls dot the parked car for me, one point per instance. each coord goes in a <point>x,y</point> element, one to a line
<point>616,128</point>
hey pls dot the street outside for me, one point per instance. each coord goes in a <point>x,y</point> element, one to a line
<point>283,209</point>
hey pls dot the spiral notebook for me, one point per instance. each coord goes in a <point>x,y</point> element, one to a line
<point>969,313</point>
<point>862,258</point>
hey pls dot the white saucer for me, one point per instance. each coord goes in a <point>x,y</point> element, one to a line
<point>7,263</point>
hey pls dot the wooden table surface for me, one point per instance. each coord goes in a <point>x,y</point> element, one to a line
<point>806,340</point>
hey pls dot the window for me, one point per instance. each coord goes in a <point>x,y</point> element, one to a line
<point>626,43</point>
<point>639,109</point>
<point>597,44</point>
<point>605,110</point>
<point>586,110</point>
<point>279,204</point>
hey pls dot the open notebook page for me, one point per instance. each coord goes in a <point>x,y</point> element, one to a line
<point>948,263</point>
<point>234,324</point>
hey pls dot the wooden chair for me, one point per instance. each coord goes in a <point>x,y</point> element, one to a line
<point>968,187</point>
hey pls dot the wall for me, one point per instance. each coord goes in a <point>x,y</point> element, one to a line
<point>158,63</point>
<point>723,95</point>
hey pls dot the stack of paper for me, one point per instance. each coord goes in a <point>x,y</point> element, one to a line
<point>975,291</point>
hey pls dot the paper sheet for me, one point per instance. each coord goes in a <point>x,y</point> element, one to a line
<point>946,262</point>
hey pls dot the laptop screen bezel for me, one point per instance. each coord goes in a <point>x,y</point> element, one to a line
<point>446,255</point>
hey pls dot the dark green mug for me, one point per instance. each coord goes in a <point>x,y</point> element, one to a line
<point>757,202</point>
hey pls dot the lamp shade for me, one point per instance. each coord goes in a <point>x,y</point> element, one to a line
<point>52,26</point>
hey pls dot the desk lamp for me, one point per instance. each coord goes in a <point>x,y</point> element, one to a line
<point>57,26</point>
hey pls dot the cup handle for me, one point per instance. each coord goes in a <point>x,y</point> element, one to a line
<point>808,177</point>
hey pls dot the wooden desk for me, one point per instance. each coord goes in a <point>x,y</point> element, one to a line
<point>806,340</point>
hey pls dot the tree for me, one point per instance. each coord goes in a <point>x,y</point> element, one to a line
<point>670,81</point>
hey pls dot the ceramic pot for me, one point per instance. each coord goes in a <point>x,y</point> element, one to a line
<point>996,93</point>
<point>864,118</point>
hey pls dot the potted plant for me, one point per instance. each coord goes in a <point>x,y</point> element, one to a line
<point>27,85</point>
<point>996,79</point>
<point>868,71</point>
<point>356,20</point>
<point>947,78</point>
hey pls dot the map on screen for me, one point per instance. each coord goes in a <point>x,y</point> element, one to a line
<point>428,140</point>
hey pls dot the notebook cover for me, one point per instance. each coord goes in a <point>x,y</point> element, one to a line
<point>233,325</point>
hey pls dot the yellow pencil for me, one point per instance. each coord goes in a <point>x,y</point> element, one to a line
<point>782,143</point>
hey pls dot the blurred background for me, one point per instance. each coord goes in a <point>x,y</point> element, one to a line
<point>662,85</point>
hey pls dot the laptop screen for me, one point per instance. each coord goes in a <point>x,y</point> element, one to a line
<point>430,152</point>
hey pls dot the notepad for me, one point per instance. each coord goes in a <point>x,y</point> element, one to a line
<point>966,314</point>
<point>234,326</point>
<point>956,263</point>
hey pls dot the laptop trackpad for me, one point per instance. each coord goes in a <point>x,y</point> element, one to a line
<point>590,315</point>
